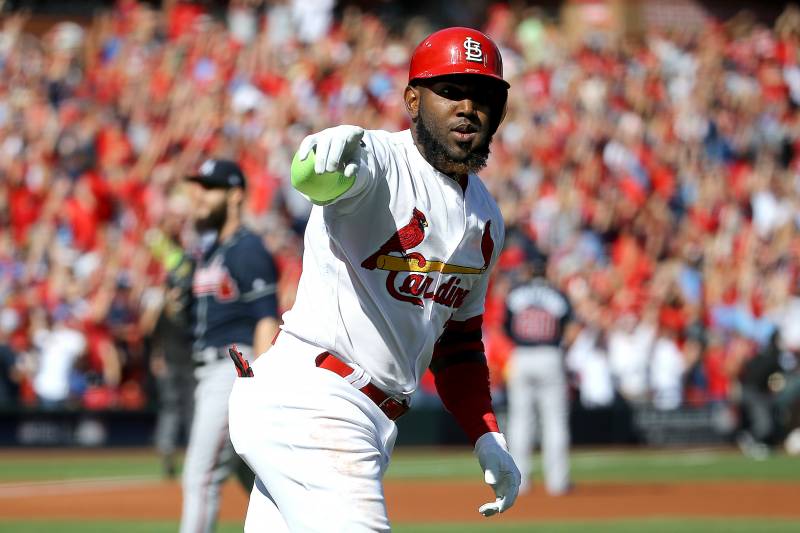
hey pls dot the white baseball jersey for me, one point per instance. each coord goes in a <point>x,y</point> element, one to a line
<point>392,260</point>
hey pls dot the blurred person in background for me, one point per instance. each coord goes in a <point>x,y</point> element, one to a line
<point>234,302</point>
<point>539,321</point>
<point>667,369</point>
<point>166,317</point>
<point>757,399</point>
<point>312,18</point>
<point>60,345</point>
<point>604,413</point>
<point>10,370</point>
<point>587,358</point>
<point>630,346</point>
<point>787,388</point>
<point>788,321</point>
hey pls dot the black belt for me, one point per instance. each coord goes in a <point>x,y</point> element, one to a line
<point>209,354</point>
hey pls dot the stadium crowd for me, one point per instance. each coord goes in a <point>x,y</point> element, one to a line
<point>660,175</point>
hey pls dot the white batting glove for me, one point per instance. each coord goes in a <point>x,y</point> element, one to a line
<point>337,149</point>
<point>499,471</point>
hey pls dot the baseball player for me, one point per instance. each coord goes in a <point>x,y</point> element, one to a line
<point>537,315</point>
<point>234,302</point>
<point>398,250</point>
<point>166,317</point>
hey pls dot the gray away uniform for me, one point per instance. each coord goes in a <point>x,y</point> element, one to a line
<point>536,316</point>
<point>234,287</point>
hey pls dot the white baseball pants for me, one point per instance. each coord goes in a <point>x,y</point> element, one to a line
<point>318,446</point>
<point>537,386</point>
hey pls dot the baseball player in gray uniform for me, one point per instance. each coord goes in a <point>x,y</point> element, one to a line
<point>537,315</point>
<point>234,302</point>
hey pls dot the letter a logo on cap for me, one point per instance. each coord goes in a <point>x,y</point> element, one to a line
<point>473,50</point>
<point>207,167</point>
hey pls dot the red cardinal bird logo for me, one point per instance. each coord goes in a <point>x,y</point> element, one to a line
<point>406,238</point>
<point>487,244</point>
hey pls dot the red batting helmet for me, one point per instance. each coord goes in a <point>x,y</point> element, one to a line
<point>456,51</point>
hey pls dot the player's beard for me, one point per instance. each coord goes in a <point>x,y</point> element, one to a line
<point>442,160</point>
<point>215,219</point>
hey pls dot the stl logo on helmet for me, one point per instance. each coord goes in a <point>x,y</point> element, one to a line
<point>473,50</point>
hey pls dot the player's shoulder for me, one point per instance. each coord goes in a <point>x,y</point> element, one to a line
<point>387,137</point>
<point>550,286</point>
<point>246,241</point>
<point>386,141</point>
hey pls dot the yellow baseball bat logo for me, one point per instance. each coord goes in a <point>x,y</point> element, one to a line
<point>391,263</point>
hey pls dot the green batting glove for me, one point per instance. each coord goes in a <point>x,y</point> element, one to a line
<point>320,188</point>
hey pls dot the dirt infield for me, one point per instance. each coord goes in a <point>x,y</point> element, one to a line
<point>411,501</point>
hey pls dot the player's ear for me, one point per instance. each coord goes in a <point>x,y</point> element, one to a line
<point>411,99</point>
<point>236,195</point>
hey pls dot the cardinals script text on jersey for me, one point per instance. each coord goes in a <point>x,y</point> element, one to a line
<point>415,288</point>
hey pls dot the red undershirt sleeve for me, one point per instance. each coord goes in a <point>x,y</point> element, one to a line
<point>461,376</point>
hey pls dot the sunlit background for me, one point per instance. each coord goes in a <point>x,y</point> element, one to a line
<point>651,153</point>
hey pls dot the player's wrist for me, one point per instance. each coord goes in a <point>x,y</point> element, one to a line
<point>490,439</point>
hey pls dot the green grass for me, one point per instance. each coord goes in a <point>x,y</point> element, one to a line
<point>643,466</point>
<point>666,525</point>
<point>60,467</point>
<point>117,526</point>
<point>652,466</point>
<point>612,466</point>
<point>613,526</point>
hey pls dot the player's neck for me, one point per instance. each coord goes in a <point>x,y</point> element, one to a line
<point>462,180</point>
<point>460,177</point>
<point>229,228</point>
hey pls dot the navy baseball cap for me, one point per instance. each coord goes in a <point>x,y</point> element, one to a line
<point>219,174</point>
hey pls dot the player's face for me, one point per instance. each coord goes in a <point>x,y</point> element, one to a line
<point>457,116</point>
<point>211,207</point>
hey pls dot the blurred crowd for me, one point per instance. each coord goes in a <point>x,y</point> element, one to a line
<point>659,174</point>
